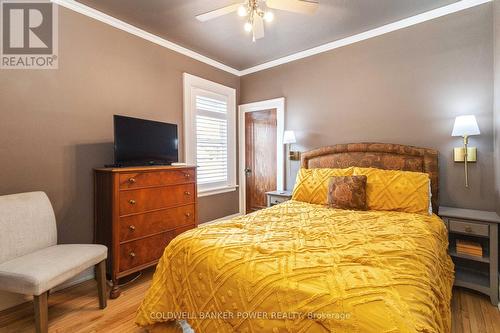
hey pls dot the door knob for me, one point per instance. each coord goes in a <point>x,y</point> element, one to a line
<point>248,171</point>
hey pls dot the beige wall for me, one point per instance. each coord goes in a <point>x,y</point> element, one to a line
<point>403,87</point>
<point>56,125</point>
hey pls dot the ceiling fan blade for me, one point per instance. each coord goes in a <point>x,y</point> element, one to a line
<point>258,27</point>
<point>295,6</point>
<point>218,12</point>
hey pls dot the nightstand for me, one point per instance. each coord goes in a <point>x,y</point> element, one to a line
<point>479,227</point>
<point>277,197</point>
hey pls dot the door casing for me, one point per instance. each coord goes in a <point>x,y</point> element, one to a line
<point>279,105</point>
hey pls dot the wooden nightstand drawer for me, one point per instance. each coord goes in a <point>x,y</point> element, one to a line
<point>465,227</point>
<point>277,200</point>
<point>277,197</point>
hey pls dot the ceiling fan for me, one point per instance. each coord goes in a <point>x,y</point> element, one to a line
<point>257,12</point>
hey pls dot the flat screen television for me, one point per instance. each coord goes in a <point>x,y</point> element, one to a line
<point>144,142</point>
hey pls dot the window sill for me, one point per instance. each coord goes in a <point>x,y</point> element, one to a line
<point>216,190</point>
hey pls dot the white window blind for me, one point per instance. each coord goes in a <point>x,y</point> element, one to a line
<point>210,134</point>
<point>211,139</point>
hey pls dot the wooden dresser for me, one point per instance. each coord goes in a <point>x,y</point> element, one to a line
<point>138,211</point>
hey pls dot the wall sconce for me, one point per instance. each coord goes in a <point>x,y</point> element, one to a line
<point>465,126</point>
<point>288,139</point>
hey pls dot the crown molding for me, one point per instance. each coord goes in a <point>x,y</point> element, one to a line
<point>119,24</point>
<point>401,24</point>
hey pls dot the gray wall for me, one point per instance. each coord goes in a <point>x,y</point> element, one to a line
<point>403,87</point>
<point>56,125</point>
<point>496,32</point>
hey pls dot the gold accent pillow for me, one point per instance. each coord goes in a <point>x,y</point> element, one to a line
<point>312,184</point>
<point>347,192</point>
<point>402,191</point>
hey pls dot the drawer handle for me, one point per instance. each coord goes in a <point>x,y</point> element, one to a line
<point>468,229</point>
<point>132,254</point>
<point>188,214</point>
<point>187,193</point>
<point>131,201</point>
<point>187,175</point>
<point>131,227</point>
<point>131,180</point>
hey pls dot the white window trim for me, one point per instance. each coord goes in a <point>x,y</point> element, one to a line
<point>191,84</point>
<point>279,105</point>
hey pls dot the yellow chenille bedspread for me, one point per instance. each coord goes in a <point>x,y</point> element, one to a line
<point>299,267</point>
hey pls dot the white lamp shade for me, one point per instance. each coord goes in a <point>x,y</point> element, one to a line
<point>289,137</point>
<point>465,125</point>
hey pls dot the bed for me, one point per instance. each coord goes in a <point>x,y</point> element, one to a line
<point>300,267</point>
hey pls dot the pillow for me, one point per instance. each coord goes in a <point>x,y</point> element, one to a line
<point>403,191</point>
<point>312,184</point>
<point>347,192</point>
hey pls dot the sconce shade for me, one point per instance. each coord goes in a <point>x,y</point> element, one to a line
<point>465,126</point>
<point>289,137</point>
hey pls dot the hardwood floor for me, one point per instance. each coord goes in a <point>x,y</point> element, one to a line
<point>76,310</point>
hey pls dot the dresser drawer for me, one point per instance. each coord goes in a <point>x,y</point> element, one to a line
<point>143,251</point>
<point>135,226</point>
<point>137,201</point>
<point>468,228</point>
<point>157,178</point>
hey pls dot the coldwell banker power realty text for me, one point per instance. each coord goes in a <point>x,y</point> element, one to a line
<point>29,34</point>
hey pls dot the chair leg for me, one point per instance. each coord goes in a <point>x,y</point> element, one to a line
<point>41,313</point>
<point>100,273</point>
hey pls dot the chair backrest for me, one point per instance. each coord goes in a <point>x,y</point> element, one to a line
<point>27,224</point>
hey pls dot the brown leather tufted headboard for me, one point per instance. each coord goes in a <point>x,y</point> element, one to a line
<point>378,155</point>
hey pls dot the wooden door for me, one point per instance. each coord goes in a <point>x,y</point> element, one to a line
<point>260,157</point>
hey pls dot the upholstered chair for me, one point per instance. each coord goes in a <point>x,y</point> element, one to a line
<point>31,262</point>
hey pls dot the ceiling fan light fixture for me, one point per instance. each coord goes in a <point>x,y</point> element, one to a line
<point>259,12</point>
<point>268,16</point>
<point>248,27</point>
<point>242,11</point>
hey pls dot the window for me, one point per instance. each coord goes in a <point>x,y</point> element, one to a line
<point>211,140</point>
<point>210,137</point>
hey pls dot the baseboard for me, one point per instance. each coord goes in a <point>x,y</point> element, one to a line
<point>228,217</point>
<point>86,275</point>
<point>10,300</point>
